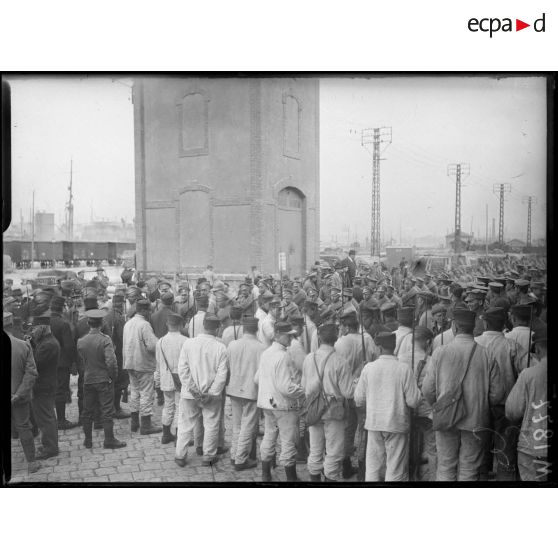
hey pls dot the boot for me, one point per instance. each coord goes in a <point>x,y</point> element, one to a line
<point>248,464</point>
<point>266,471</point>
<point>348,469</point>
<point>290,471</point>
<point>316,478</point>
<point>110,441</point>
<point>302,450</point>
<point>88,432</point>
<point>63,424</point>
<point>28,446</point>
<point>221,450</point>
<point>146,426</point>
<point>167,435</point>
<point>134,423</point>
<point>33,467</point>
<point>361,474</point>
<point>199,450</point>
<point>119,412</point>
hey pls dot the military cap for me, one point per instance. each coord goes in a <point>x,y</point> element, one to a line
<point>96,313</point>
<point>284,327</point>
<point>57,303</point>
<point>439,309</point>
<point>183,287</point>
<point>17,292</point>
<point>219,286</point>
<point>494,313</point>
<point>476,294</point>
<point>495,285</point>
<point>296,319</point>
<point>385,339</point>
<point>250,322</point>
<point>143,304</point>
<point>164,282</point>
<point>522,311</point>
<point>211,322</point>
<point>118,299</point>
<point>133,291</point>
<point>423,334</point>
<point>267,296</point>
<point>312,274</point>
<point>501,302</point>
<point>464,317</point>
<point>381,289</point>
<point>42,318</point>
<point>336,290</point>
<point>372,280</point>
<point>522,283</point>
<point>167,299</point>
<point>327,330</point>
<point>484,280</point>
<point>90,303</point>
<point>406,313</point>
<point>7,319</point>
<point>387,306</point>
<point>420,279</point>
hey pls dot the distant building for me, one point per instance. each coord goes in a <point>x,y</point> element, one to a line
<point>44,226</point>
<point>516,245</point>
<point>110,231</point>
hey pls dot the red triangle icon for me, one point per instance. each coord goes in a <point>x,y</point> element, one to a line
<point>519,25</point>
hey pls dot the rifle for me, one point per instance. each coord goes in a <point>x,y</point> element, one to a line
<point>234,329</point>
<point>530,333</point>
<point>306,331</point>
<point>414,458</point>
<point>362,337</point>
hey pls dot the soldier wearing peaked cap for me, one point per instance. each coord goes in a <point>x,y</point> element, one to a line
<point>522,322</point>
<point>97,360</point>
<point>475,302</point>
<point>299,295</point>
<point>461,445</point>
<point>290,308</point>
<point>235,330</point>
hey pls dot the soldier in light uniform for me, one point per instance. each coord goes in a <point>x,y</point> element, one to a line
<point>166,376</point>
<point>279,396</point>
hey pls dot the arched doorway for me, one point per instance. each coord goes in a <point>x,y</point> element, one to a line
<point>291,229</point>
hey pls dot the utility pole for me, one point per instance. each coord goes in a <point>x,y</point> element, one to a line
<point>375,137</point>
<point>486,234</point>
<point>70,208</point>
<point>530,200</point>
<point>501,190</point>
<point>493,238</point>
<point>33,230</point>
<point>459,170</point>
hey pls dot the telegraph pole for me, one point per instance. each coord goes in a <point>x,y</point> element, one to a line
<point>70,208</point>
<point>530,200</point>
<point>375,137</point>
<point>458,170</point>
<point>486,234</point>
<point>33,230</point>
<point>501,190</point>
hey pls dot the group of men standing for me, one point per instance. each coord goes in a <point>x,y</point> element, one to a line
<point>381,361</point>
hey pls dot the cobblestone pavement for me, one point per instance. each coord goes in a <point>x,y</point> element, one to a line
<point>144,458</point>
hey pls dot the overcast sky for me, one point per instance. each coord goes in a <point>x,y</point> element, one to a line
<point>497,126</point>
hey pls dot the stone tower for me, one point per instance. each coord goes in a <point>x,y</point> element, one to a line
<point>227,173</point>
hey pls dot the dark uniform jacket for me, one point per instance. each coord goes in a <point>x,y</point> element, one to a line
<point>63,332</point>
<point>24,371</point>
<point>82,328</point>
<point>46,353</point>
<point>113,326</point>
<point>96,357</point>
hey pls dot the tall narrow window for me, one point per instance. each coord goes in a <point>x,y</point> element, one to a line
<point>291,126</point>
<point>193,118</point>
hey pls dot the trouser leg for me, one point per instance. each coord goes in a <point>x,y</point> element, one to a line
<point>334,431</point>
<point>80,392</point>
<point>428,449</point>
<point>20,414</point>
<point>188,411</point>
<point>447,449</point>
<point>375,456</point>
<point>168,408</point>
<point>198,432</point>
<point>247,430</point>
<point>211,413</point>
<point>397,456</point>
<point>134,391</point>
<point>221,438</point>
<point>236,408</point>
<point>533,468</point>
<point>43,408</point>
<point>315,461</point>
<point>350,428</point>
<point>287,421</point>
<point>267,447</point>
<point>146,390</point>
<point>105,398</point>
<point>505,445</point>
<point>63,383</point>
<point>471,455</point>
